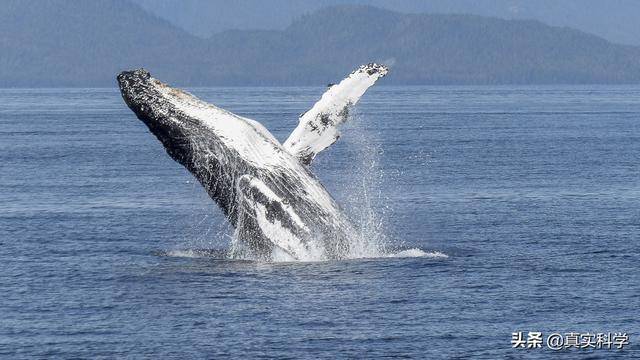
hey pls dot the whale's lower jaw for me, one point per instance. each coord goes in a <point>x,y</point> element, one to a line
<point>276,205</point>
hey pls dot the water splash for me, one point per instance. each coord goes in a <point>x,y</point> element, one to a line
<point>415,252</point>
<point>195,253</point>
<point>283,257</point>
<point>363,200</point>
<point>363,197</point>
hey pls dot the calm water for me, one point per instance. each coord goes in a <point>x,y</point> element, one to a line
<point>532,193</point>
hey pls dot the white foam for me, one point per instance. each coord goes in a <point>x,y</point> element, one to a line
<point>280,256</point>
<point>184,253</point>
<point>415,252</point>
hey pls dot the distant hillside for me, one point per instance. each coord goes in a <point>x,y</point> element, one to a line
<point>85,43</point>
<point>614,20</point>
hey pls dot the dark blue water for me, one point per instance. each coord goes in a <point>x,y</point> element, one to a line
<point>532,193</point>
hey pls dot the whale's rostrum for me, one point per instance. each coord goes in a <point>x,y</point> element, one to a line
<point>265,189</point>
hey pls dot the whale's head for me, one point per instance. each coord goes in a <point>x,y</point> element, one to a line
<point>176,119</point>
<point>181,122</point>
<point>144,95</point>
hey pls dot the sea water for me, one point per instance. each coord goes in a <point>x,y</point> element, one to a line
<point>498,210</point>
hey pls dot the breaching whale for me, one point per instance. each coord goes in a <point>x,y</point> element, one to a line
<point>265,189</point>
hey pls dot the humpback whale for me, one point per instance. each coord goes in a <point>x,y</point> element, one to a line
<point>265,189</point>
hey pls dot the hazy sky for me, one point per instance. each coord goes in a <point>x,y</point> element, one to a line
<point>615,20</point>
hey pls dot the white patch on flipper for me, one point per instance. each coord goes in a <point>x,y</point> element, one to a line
<point>318,127</point>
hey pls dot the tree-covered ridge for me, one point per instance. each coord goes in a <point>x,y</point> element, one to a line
<point>85,43</point>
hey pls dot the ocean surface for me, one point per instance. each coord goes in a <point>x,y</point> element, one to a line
<point>508,209</point>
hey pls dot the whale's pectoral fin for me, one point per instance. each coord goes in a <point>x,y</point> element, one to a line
<point>318,127</point>
<point>265,219</point>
